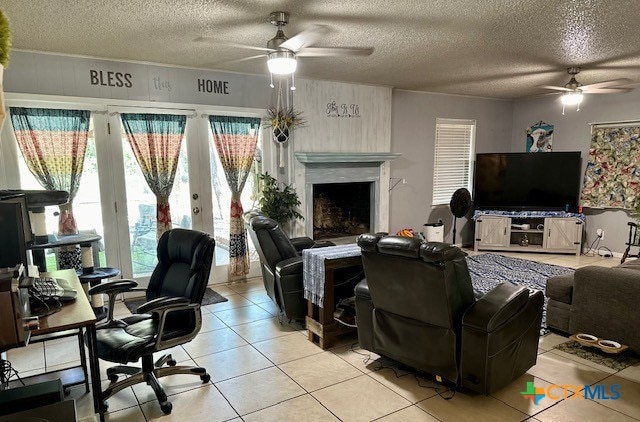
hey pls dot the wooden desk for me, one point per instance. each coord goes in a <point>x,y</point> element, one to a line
<point>75,315</point>
<point>322,327</point>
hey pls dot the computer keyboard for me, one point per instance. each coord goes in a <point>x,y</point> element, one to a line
<point>50,289</point>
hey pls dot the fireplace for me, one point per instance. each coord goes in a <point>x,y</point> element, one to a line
<point>341,209</point>
<point>362,173</point>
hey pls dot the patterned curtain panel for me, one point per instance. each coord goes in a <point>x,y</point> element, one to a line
<point>53,143</point>
<point>155,140</point>
<point>235,139</point>
<point>613,171</point>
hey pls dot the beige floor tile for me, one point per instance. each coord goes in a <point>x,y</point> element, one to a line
<point>583,361</point>
<point>84,401</point>
<point>408,414</point>
<point>606,262</point>
<point>264,329</point>
<point>319,371</point>
<point>27,358</point>
<point>473,408</point>
<point>579,410</point>
<point>560,370</point>
<point>57,354</point>
<point>571,261</point>
<point>213,342</point>
<point>409,386</point>
<point>254,284</point>
<point>222,289</point>
<point>287,348</point>
<point>632,373</point>
<point>257,296</point>
<point>629,400</point>
<point>362,359</point>
<point>259,390</point>
<point>132,414</point>
<point>177,353</point>
<point>233,301</point>
<point>237,316</point>
<point>270,307</point>
<point>549,341</point>
<point>303,408</point>
<point>373,399</point>
<point>211,322</point>
<point>172,384</point>
<point>512,395</point>
<point>202,404</point>
<point>232,363</point>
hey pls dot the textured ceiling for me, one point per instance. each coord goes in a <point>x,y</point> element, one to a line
<point>489,48</point>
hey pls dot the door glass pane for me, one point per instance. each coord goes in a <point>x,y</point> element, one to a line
<point>87,208</point>
<point>141,208</point>
<point>222,201</point>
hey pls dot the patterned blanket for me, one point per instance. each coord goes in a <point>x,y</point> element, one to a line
<point>489,270</point>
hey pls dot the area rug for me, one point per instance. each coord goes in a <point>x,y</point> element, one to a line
<point>614,361</point>
<point>210,297</point>
<point>489,270</point>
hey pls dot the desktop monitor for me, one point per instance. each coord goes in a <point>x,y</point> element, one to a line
<point>15,230</point>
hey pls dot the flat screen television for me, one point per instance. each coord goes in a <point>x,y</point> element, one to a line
<point>527,181</point>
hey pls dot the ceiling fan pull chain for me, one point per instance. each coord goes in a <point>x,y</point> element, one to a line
<point>563,109</point>
<point>293,82</point>
<point>271,84</point>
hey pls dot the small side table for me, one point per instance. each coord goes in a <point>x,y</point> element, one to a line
<point>93,278</point>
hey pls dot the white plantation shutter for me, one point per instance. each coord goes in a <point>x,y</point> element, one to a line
<point>453,158</point>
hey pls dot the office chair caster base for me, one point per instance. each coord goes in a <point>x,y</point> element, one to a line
<point>166,407</point>
<point>172,362</point>
<point>205,378</point>
<point>113,378</point>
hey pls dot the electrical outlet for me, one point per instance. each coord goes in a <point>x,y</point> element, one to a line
<point>600,233</point>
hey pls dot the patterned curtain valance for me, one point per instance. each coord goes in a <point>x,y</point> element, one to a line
<point>612,176</point>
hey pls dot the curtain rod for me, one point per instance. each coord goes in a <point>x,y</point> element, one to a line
<point>614,122</point>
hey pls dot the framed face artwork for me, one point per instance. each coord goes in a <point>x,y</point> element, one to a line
<point>540,137</point>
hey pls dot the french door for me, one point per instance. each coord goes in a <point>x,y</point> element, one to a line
<point>199,199</point>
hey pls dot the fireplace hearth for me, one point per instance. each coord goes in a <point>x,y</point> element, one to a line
<point>341,209</point>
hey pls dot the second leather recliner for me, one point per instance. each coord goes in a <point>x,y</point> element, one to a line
<point>417,306</point>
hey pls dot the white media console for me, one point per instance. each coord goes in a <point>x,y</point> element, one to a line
<point>547,232</point>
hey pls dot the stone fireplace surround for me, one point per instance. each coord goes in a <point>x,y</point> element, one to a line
<point>346,167</point>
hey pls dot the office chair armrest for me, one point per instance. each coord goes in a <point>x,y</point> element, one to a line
<point>162,304</point>
<point>162,307</point>
<point>496,307</point>
<point>116,286</point>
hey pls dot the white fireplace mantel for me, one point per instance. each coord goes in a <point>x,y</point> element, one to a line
<point>345,157</point>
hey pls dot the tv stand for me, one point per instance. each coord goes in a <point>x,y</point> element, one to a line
<point>528,231</point>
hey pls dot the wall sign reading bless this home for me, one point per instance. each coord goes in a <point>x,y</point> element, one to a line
<point>49,74</point>
<point>344,110</point>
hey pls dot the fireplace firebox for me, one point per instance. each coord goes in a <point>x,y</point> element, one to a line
<point>341,209</point>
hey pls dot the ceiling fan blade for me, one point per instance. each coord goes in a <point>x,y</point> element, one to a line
<point>609,91</point>
<point>557,88</point>
<point>335,51</point>
<point>306,37</point>
<point>226,62</point>
<point>215,41</point>
<point>605,84</point>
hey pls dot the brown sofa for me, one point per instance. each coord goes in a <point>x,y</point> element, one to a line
<point>599,301</point>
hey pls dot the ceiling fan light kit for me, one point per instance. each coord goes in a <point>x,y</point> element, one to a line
<point>282,62</point>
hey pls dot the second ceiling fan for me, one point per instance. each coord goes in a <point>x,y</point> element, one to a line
<point>573,91</point>
<point>282,52</point>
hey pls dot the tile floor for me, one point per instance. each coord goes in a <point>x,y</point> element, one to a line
<point>264,371</point>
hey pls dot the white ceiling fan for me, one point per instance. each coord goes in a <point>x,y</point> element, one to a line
<point>282,52</point>
<point>573,91</point>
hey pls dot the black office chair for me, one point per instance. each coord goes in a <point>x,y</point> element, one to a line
<point>170,317</point>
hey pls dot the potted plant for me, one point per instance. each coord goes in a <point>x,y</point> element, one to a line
<point>282,121</point>
<point>5,48</point>
<point>276,203</point>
